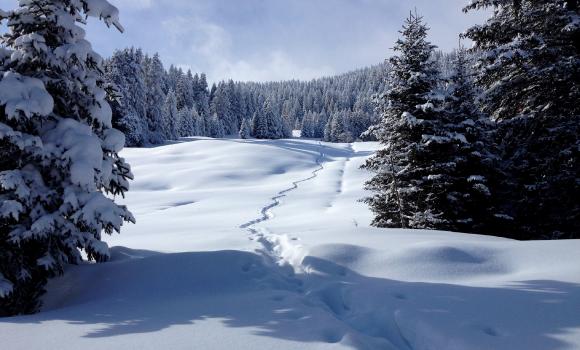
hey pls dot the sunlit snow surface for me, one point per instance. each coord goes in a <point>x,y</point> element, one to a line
<point>214,262</point>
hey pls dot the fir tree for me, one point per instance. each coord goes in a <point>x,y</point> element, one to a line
<point>410,180</point>
<point>529,72</point>
<point>309,125</point>
<point>245,129</point>
<point>186,122</point>
<point>170,117</point>
<point>470,198</point>
<point>337,129</point>
<point>125,71</point>
<point>59,166</point>
<point>259,125</point>
<point>201,96</point>
<point>154,78</point>
<point>216,127</point>
<point>184,91</point>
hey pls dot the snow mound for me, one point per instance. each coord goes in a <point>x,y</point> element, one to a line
<point>433,261</point>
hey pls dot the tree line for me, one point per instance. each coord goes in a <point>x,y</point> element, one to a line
<point>153,104</point>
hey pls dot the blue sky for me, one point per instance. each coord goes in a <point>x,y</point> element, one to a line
<point>262,40</point>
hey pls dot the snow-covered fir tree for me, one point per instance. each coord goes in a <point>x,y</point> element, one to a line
<point>170,117</point>
<point>186,122</point>
<point>126,71</point>
<point>216,127</point>
<point>338,128</point>
<point>411,171</point>
<point>259,125</point>
<point>184,91</point>
<point>59,151</point>
<point>529,71</point>
<point>154,78</point>
<point>201,94</point>
<point>268,125</point>
<point>470,202</point>
<point>221,106</point>
<point>246,129</point>
<point>309,125</point>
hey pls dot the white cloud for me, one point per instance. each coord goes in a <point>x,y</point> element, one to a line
<point>275,66</point>
<point>208,48</point>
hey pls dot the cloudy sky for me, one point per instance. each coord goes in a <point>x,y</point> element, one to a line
<point>260,40</point>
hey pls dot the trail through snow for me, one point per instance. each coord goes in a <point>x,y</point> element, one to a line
<point>281,248</point>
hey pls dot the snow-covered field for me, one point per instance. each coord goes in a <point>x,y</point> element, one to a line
<point>246,244</point>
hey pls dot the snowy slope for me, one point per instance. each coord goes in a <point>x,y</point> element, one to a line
<point>245,244</point>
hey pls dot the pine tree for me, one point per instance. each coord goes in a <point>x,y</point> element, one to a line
<point>268,125</point>
<point>216,127</point>
<point>529,72</point>
<point>125,71</point>
<point>201,96</point>
<point>259,125</point>
<point>277,125</point>
<point>245,129</point>
<point>337,129</point>
<point>184,91</point>
<point>186,122</point>
<point>170,117</point>
<point>59,164</point>
<point>470,201</point>
<point>308,126</point>
<point>221,106</point>
<point>410,178</point>
<point>154,78</point>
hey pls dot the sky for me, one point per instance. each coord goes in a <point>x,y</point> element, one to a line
<point>268,40</point>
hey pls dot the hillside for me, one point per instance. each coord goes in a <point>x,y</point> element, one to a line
<point>246,244</point>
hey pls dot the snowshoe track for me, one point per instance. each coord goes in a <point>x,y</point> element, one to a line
<point>280,248</point>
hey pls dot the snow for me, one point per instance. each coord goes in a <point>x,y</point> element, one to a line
<point>78,144</point>
<point>10,208</point>
<point>103,9</point>
<point>255,244</point>
<point>5,286</point>
<point>24,94</point>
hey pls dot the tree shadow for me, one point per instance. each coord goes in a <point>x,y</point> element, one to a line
<point>150,292</point>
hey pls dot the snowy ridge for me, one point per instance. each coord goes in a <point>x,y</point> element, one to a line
<point>281,248</point>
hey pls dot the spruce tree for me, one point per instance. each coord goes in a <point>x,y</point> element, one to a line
<point>245,129</point>
<point>216,127</point>
<point>337,129</point>
<point>60,164</point>
<point>170,117</point>
<point>410,180</point>
<point>259,125</point>
<point>154,79</point>
<point>125,71</point>
<point>309,126</point>
<point>186,119</point>
<point>529,72</point>
<point>470,195</point>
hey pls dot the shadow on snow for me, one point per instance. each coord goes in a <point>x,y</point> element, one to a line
<point>142,292</point>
